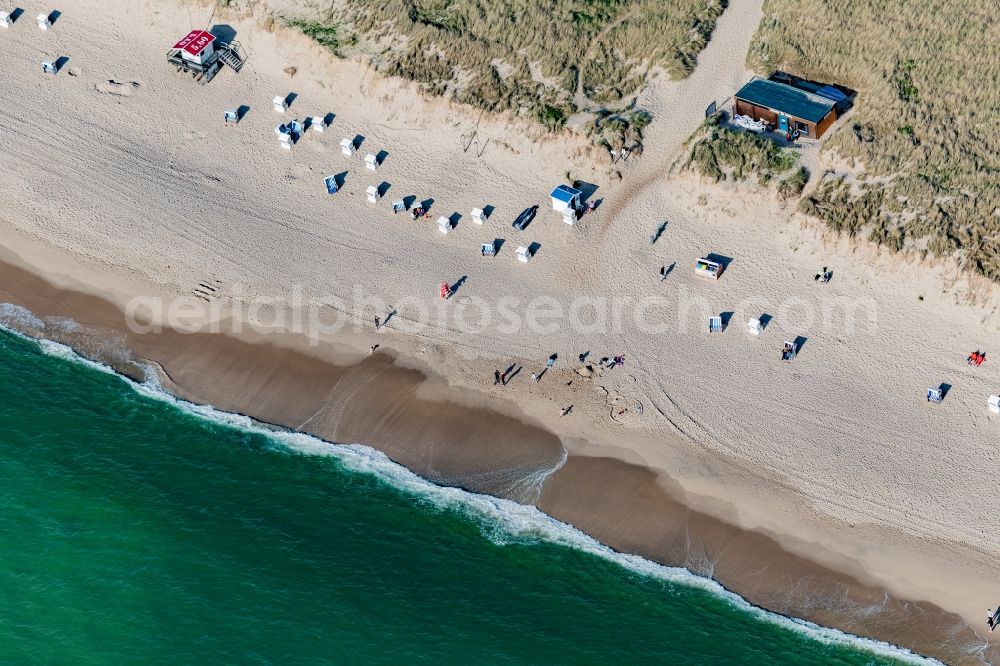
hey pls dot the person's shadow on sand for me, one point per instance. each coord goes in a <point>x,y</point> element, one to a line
<point>511,372</point>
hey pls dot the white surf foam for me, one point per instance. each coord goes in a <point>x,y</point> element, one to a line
<point>19,317</point>
<point>501,521</point>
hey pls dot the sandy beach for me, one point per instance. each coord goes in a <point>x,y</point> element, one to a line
<point>826,488</point>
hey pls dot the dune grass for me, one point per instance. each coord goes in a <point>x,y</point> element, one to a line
<point>926,123</point>
<point>326,34</point>
<point>722,153</point>
<point>794,184</point>
<point>541,59</point>
<point>619,132</point>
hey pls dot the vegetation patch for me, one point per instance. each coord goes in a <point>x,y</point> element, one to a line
<point>326,35</point>
<point>924,125</point>
<point>904,81</point>
<point>552,117</point>
<point>722,153</point>
<point>793,185</point>
<point>619,132</point>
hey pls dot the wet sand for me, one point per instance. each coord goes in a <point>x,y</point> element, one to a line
<point>443,436</point>
<point>662,528</point>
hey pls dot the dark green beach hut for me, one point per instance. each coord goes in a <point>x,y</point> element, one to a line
<point>786,107</point>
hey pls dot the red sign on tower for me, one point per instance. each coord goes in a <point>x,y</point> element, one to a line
<point>195,41</point>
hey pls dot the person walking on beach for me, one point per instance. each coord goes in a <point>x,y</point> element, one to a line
<point>496,377</point>
<point>534,377</point>
<point>552,360</point>
<point>378,323</point>
<point>503,378</point>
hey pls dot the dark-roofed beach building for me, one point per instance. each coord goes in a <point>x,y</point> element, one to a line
<point>787,108</point>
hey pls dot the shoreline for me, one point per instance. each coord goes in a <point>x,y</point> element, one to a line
<point>528,464</point>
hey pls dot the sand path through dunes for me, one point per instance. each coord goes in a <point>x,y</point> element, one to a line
<point>678,107</point>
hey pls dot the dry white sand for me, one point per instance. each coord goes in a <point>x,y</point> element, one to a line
<point>123,168</point>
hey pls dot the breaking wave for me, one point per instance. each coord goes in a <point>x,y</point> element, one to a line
<point>18,318</point>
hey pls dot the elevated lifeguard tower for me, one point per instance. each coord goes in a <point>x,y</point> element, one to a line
<point>198,54</point>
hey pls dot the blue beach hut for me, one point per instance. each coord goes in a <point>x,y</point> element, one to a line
<point>565,198</point>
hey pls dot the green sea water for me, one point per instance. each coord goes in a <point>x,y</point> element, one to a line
<point>137,529</point>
